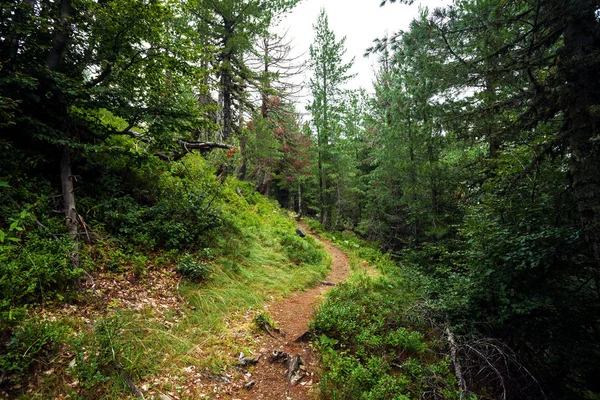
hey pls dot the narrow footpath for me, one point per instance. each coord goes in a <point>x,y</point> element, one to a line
<point>268,379</point>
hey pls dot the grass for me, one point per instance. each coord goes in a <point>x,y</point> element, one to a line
<point>167,345</point>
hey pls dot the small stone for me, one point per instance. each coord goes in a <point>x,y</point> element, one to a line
<point>249,385</point>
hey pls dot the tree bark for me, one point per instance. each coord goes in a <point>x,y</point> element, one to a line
<point>581,45</point>
<point>68,195</point>
<point>321,188</point>
<point>299,199</point>
<point>61,37</point>
<point>53,59</point>
<point>227,80</point>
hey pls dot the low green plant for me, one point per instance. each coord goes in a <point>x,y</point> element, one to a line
<point>314,226</point>
<point>140,266</point>
<point>192,269</point>
<point>32,342</point>
<point>264,322</point>
<point>375,345</point>
<point>111,356</point>
<point>301,250</point>
<point>39,269</point>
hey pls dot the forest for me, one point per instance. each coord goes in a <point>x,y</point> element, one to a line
<point>165,145</point>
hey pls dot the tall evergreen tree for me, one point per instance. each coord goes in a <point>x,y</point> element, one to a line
<point>330,74</point>
<point>231,27</point>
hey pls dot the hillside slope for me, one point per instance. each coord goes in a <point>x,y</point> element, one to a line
<point>153,312</point>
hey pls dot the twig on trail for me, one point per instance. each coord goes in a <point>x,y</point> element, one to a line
<point>266,328</point>
<point>90,278</point>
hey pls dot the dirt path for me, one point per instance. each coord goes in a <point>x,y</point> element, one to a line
<point>292,315</point>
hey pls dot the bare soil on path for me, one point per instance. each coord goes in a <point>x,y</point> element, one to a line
<point>268,380</point>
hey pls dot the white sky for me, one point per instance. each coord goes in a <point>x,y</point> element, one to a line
<point>360,21</point>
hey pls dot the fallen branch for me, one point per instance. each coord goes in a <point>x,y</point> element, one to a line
<point>188,147</point>
<point>454,358</point>
<point>295,374</point>
<point>203,147</point>
<point>327,283</point>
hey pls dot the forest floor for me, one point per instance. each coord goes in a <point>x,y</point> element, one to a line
<point>268,379</point>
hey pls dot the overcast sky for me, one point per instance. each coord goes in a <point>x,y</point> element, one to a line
<point>360,21</point>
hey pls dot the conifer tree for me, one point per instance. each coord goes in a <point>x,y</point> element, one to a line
<point>330,74</point>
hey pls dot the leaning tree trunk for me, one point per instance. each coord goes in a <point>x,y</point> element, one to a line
<point>582,47</point>
<point>53,59</point>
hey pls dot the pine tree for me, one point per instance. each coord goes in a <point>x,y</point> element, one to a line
<point>330,74</point>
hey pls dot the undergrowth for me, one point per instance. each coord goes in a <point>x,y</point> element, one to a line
<point>224,250</point>
<point>373,335</point>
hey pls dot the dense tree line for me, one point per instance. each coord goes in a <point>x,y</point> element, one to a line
<point>477,165</point>
<point>475,162</point>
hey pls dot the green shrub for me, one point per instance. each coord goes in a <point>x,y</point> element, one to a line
<point>156,208</point>
<point>192,269</point>
<point>301,250</point>
<point>263,322</point>
<point>96,355</point>
<point>39,269</point>
<point>374,344</point>
<point>32,342</point>
<point>111,356</point>
<point>314,226</point>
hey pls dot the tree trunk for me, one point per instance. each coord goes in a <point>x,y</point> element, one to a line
<point>227,80</point>
<point>61,37</point>
<point>53,59</point>
<point>339,207</point>
<point>583,82</point>
<point>299,199</point>
<point>244,167</point>
<point>68,195</point>
<point>321,189</point>
<point>227,104</point>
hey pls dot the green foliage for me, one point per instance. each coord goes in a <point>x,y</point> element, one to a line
<point>315,226</point>
<point>376,346</point>
<point>33,342</point>
<point>172,210</point>
<point>38,270</point>
<point>192,269</point>
<point>301,250</point>
<point>108,355</point>
<point>263,322</point>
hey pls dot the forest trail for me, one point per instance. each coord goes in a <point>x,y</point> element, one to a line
<point>292,316</point>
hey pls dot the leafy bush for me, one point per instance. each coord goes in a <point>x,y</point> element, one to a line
<point>32,342</point>
<point>155,208</point>
<point>301,250</point>
<point>373,345</point>
<point>109,353</point>
<point>39,269</point>
<point>263,322</point>
<point>315,226</point>
<point>192,269</point>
